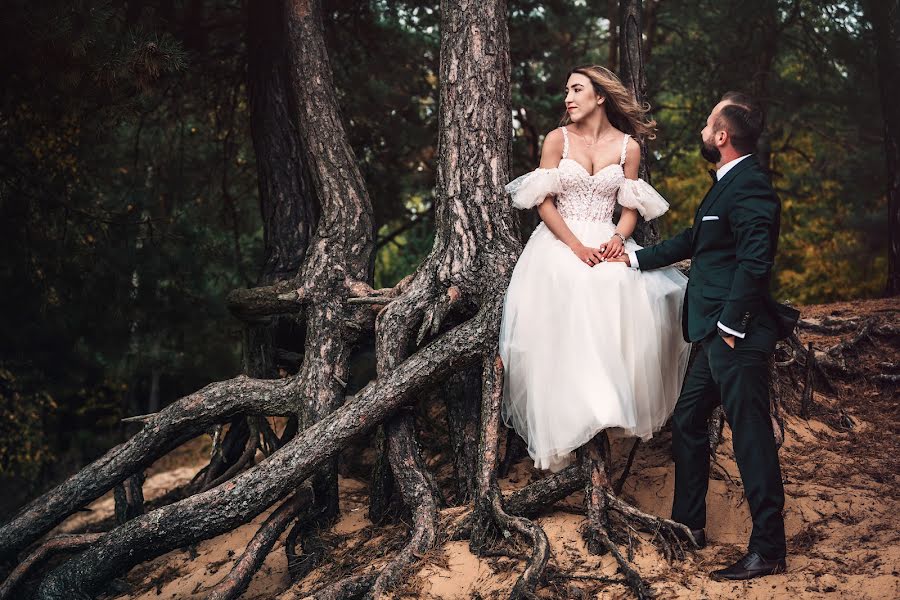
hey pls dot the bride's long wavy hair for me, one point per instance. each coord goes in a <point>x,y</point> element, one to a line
<point>622,109</point>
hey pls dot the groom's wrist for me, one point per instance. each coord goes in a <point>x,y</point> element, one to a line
<point>633,260</point>
<point>727,332</point>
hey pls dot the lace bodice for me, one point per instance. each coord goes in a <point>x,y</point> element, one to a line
<point>586,197</point>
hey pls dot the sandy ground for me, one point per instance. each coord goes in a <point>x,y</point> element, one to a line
<point>842,516</point>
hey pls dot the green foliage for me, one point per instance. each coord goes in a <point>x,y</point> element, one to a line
<point>128,210</point>
<point>128,193</point>
<point>810,63</point>
<point>23,439</point>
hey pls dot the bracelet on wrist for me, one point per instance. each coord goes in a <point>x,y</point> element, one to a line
<point>620,236</point>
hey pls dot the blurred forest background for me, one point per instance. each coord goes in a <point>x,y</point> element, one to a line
<point>129,205</point>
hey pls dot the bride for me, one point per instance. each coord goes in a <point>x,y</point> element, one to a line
<point>588,344</point>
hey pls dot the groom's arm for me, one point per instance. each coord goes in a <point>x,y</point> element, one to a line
<point>664,253</point>
<point>751,219</point>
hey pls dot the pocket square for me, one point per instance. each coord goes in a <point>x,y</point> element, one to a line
<point>710,218</point>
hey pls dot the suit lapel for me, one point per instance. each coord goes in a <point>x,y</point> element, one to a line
<point>714,194</point>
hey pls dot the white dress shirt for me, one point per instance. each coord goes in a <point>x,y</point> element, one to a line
<point>720,173</point>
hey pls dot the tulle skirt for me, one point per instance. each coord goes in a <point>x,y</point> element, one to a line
<point>588,348</point>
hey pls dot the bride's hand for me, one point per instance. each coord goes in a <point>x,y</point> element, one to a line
<point>613,248</point>
<point>589,256</point>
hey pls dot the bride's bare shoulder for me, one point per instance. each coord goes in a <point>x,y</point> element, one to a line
<point>552,149</point>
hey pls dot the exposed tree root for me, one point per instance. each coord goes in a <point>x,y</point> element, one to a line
<point>312,550</point>
<point>489,512</point>
<point>383,501</point>
<point>417,493</point>
<point>611,519</point>
<point>56,545</point>
<point>162,432</point>
<point>596,475</point>
<point>806,399</point>
<point>462,398</point>
<point>245,459</point>
<point>235,502</point>
<point>620,483</point>
<point>543,493</point>
<point>514,445</point>
<point>234,584</point>
<point>350,588</point>
<point>129,498</point>
<point>637,584</point>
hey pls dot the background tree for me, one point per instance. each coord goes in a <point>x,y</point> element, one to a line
<point>137,189</point>
<point>884,19</point>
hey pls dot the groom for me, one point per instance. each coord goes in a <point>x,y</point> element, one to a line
<point>728,310</point>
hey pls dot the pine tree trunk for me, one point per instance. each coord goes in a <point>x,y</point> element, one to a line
<point>287,199</point>
<point>884,16</point>
<point>631,72</point>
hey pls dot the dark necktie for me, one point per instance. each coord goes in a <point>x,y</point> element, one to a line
<point>712,175</point>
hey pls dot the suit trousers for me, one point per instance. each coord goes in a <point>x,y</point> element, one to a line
<point>738,379</point>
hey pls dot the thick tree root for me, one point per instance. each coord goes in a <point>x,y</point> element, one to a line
<point>351,588</point>
<point>512,453</point>
<point>489,511</point>
<point>383,501</point>
<point>543,493</point>
<point>410,475</point>
<point>596,476</point>
<point>312,549</point>
<point>129,498</point>
<point>462,399</point>
<point>162,432</point>
<point>237,501</point>
<point>253,557</point>
<point>609,517</point>
<point>56,545</point>
<point>529,501</point>
<point>242,462</point>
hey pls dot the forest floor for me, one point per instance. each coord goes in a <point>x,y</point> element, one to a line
<point>842,510</point>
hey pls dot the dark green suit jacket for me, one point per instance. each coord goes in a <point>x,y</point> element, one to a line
<point>732,245</point>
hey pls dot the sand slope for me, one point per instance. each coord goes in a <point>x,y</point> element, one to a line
<point>842,518</point>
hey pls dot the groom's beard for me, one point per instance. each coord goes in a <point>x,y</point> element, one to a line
<point>710,152</point>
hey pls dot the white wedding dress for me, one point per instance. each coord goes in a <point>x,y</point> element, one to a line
<point>588,348</point>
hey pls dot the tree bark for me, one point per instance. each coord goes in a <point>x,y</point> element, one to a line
<point>287,200</point>
<point>343,246</point>
<point>884,16</point>
<point>612,14</point>
<point>442,320</point>
<point>631,72</point>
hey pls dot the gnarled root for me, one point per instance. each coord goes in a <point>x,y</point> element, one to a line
<point>410,475</point>
<point>162,432</point>
<point>253,557</point>
<point>56,545</point>
<point>489,512</point>
<point>610,519</point>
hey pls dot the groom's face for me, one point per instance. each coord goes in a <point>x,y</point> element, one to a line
<point>710,138</point>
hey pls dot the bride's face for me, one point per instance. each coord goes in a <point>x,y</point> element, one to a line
<point>581,99</point>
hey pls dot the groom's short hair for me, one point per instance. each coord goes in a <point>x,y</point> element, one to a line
<point>743,119</point>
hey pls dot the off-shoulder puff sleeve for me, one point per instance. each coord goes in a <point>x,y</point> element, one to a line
<point>640,195</point>
<point>531,188</point>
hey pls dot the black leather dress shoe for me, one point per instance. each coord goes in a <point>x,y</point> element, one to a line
<point>699,537</point>
<point>750,566</point>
